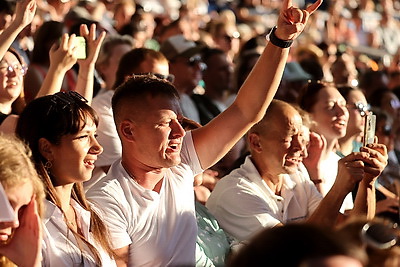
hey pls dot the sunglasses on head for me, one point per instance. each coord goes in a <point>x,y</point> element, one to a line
<point>379,235</point>
<point>63,100</point>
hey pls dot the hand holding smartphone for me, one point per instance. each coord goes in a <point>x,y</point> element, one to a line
<point>369,129</point>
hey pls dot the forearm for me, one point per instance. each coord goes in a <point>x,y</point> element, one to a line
<point>328,210</point>
<point>262,83</point>
<point>52,83</point>
<point>8,36</point>
<point>365,202</point>
<point>84,85</point>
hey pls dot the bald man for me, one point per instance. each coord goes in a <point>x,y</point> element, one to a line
<point>268,190</point>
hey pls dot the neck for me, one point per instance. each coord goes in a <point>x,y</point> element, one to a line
<point>5,107</point>
<point>214,95</point>
<point>64,195</point>
<point>346,144</point>
<point>274,183</point>
<point>148,178</point>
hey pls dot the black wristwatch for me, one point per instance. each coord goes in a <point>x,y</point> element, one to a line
<point>278,42</point>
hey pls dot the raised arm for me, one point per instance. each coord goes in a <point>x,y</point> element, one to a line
<point>365,202</point>
<point>84,85</point>
<point>215,139</point>
<point>62,58</point>
<point>24,13</point>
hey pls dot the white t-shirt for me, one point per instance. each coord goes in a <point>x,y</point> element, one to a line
<point>244,204</point>
<point>160,228</point>
<point>59,246</point>
<point>106,131</point>
<point>330,170</point>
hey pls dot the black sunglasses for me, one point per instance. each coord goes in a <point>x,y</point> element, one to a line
<point>63,100</point>
<point>169,77</point>
<point>360,107</point>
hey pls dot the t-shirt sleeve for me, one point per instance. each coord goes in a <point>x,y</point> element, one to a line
<point>114,214</point>
<point>189,154</point>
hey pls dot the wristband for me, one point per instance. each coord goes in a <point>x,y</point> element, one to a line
<point>278,42</point>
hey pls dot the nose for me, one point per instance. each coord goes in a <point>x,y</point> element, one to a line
<point>11,72</point>
<point>96,148</point>
<point>341,110</point>
<point>177,130</point>
<point>297,142</point>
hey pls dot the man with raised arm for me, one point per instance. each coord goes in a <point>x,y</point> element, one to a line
<point>147,195</point>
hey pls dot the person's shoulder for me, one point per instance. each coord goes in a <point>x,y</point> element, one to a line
<point>103,100</point>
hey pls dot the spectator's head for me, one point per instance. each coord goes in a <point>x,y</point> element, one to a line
<point>185,62</point>
<point>141,61</point>
<point>49,33</point>
<point>20,182</point>
<point>327,108</point>
<point>12,71</point>
<point>6,13</point>
<point>357,106</point>
<point>226,37</point>
<point>275,142</point>
<point>111,52</point>
<point>218,73</point>
<point>307,245</point>
<point>147,117</point>
<point>54,126</point>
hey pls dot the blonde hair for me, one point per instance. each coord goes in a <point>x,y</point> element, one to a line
<point>16,168</point>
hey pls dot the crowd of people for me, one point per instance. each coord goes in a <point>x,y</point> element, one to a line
<point>219,133</point>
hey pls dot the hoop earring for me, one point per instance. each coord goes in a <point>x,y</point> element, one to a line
<point>48,165</point>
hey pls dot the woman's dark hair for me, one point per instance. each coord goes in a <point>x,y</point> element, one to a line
<point>52,117</point>
<point>49,33</point>
<point>309,95</point>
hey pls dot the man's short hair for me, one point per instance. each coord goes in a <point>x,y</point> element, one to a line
<point>108,45</point>
<point>276,107</point>
<point>130,63</point>
<point>137,88</point>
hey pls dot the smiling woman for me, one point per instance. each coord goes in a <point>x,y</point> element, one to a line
<point>61,131</point>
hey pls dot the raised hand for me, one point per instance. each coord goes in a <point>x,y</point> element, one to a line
<point>24,12</point>
<point>62,56</point>
<point>376,162</point>
<point>25,246</point>
<point>93,44</point>
<point>291,21</point>
<point>351,171</point>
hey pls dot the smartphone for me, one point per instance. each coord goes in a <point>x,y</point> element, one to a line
<point>80,47</point>
<point>369,129</point>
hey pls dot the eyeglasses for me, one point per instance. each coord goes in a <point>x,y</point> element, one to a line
<point>17,67</point>
<point>360,107</point>
<point>379,235</point>
<point>196,61</point>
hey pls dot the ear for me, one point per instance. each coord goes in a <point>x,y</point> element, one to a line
<point>127,129</point>
<point>254,142</point>
<point>45,149</point>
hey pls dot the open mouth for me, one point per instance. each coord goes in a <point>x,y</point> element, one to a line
<point>89,162</point>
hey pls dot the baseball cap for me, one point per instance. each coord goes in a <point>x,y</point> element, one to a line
<point>178,46</point>
<point>294,72</point>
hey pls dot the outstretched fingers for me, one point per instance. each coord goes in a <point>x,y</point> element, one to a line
<point>311,8</point>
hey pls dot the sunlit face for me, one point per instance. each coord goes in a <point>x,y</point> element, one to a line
<point>158,134</point>
<point>154,66</point>
<point>19,196</point>
<point>330,114</point>
<point>73,159</point>
<point>356,120</point>
<point>187,72</point>
<point>11,80</point>
<point>285,142</point>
